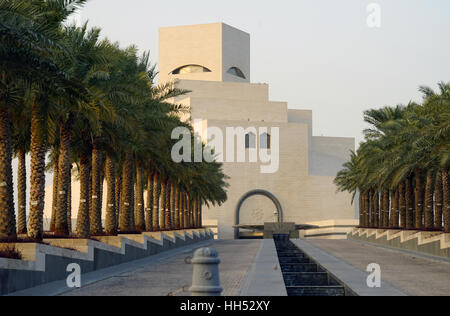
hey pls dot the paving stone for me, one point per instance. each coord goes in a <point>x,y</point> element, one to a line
<point>172,276</point>
<point>411,274</point>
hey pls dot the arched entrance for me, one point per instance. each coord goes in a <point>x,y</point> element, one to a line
<point>265,193</point>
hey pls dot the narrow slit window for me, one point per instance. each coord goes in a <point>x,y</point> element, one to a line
<point>265,141</point>
<point>235,71</point>
<point>190,69</point>
<point>250,141</point>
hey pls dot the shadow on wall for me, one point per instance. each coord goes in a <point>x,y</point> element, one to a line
<point>325,165</point>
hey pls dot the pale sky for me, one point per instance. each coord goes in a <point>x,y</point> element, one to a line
<point>315,54</point>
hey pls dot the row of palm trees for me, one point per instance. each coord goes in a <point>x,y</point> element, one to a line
<point>88,106</point>
<point>401,170</point>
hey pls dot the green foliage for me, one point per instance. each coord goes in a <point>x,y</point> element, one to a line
<point>401,139</point>
<point>106,93</point>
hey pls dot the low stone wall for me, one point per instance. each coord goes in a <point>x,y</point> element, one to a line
<point>331,229</point>
<point>43,264</point>
<point>430,243</point>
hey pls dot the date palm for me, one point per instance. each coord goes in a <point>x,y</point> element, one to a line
<point>25,22</point>
<point>405,157</point>
<point>21,146</point>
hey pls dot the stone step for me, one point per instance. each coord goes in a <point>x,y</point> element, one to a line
<point>293,260</point>
<point>303,277</point>
<point>315,290</point>
<point>306,278</point>
<point>300,267</point>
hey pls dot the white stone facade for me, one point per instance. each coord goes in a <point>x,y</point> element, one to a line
<point>225,98</point>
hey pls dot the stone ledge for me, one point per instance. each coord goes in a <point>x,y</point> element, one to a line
<point>47,263</point>
<point>430,243</point>
<point>265,277</point>
<point>354,280</point>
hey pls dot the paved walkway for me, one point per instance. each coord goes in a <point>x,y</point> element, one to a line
<point>172,276</point>
<point>411,274</point>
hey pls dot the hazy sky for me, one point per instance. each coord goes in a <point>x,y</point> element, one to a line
<point>315,54</point>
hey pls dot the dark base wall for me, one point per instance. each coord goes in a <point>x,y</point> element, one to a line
<point>421,242</point>
<point>12,280</point>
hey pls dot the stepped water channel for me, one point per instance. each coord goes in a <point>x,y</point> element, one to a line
<point>303,276</point>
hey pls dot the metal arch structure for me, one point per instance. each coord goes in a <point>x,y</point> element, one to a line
<point>265,193</point>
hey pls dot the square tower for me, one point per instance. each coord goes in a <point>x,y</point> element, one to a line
<point>208,52</point>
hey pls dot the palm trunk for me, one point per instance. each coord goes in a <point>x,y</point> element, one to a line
<point>69,202</point>
<point>194,213</point>
<point>199,204</point>
<point>172,206</point>
<point>149,206</point>
<point>438,201</point>
<point>168,205</point>
<point>140,212</point>
<point>200,215</point>
<point>382,210</point>
<point>102,182</point>
<point>191,212</point>
<point>90,189</point>
<point>22,193</point>
<point>162,212</point>
<point>55,192</point>
<point>409,204</point>
<point>126,210</point>
<point>446,199</point>
<point>111,219</point>
<point>156,197</point>
<point>177,207</point>
<point>402,205</point>
<point>83,226</point>
<point>395,211</point>
<point>37,175</point>
<point>372,209</point>
<point>7,216</point>
<point>386,208</point>
<point>61,222</point>
<point>366,209</point>
<point>133,201</point>
<point>377,209</point>
<point>391,208</point>
<point>362,219</point>
<point>118,189</point>
<point>186,210</point>
<point>96,208</point>
<point>429,215</point>
<point>182,223</point>
<point>419,200</point>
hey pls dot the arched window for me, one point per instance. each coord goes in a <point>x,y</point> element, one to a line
<point>250,141</point>
<point>189,69</point>
<point>265,141</point>
<point>235,71</point>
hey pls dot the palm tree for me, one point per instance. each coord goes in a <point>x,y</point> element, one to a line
<point>25,22</point>
<point>405,151</point>
<point>21,146</point>
<point>111,219</point>
<point>91,103</point>
<point>53,13</point>
<point>127,193</point>
<point>139,207</point>
<point>156,198</point>
<point>150,203</point>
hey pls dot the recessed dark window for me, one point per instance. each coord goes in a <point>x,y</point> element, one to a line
<point>189,69</point>
<point>265,141</point>
<point>235,71</point>
<point>250,141</point>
